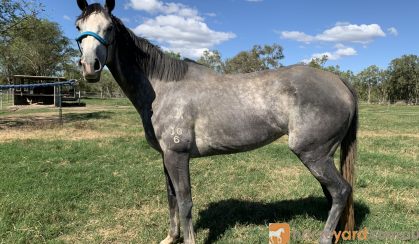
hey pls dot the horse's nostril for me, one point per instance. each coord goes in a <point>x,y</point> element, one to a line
<point>97,65</point>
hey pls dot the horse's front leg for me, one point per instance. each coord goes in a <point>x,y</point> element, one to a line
<point>174,230</point>
<point>177,166</point>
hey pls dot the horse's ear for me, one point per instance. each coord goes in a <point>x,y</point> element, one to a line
<point>82,4</point>
<point>110,5</point>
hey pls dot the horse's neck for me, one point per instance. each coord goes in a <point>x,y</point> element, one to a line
<point>137,87</point>
<point>135,84</point>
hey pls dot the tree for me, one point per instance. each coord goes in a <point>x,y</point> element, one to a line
<point>403,79</point>
<point>43,50</point>
<point>212,59</point>
<point>370,78</point>
<point>383,88</point>
<point>244,62</point>
<point>318,62</point>
<point>173,54</point>
<point>257,59</point>
<point>108,86</point>
<point>13,13</point>
<point>270,55</point>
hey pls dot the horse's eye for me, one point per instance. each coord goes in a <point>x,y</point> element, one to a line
<point>78,28</point>
<point>110,28</point>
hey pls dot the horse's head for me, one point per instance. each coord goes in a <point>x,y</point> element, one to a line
<point>96,37</point>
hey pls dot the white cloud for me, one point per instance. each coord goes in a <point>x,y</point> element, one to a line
<point>348,51</point>
<point>66,17</point>
<point>393,31</point>
<point>297,36</point>
<point>188,36</point>
<point>340,52</point>
<point>177,28</point>
<point>352,33</point>
<point>341,32</point>
<point>159,7</point>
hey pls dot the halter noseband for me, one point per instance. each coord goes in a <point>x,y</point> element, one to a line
<point>100,39</point>
<point>95,35</point>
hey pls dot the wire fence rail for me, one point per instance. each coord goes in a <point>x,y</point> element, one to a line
<point>31,86</point>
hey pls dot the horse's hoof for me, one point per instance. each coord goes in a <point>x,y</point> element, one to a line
<point>170,240</point>
<point>325,241</point>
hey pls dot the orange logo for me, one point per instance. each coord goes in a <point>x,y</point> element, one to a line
<point>279,233</point>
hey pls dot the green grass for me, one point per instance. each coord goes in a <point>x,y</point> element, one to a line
<point>96,180</point>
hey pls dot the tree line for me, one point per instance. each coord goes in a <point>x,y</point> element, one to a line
<point>398,82</point>
<point>32,45</point>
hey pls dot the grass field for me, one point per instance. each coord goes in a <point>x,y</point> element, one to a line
<point>96,180</point>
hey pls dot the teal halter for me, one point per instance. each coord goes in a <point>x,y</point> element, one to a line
<point>100,39</point>
<point>95,35</point>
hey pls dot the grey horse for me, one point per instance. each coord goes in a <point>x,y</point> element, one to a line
<point>189,111</point>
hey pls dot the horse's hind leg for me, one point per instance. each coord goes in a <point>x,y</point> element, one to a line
<point>174,230</point>
<point>327,195</point>
<point>324,170</point>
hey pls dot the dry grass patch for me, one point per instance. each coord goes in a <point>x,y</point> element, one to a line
<point>381,133</point>
<point>407,198</point>
<point>67,134</point>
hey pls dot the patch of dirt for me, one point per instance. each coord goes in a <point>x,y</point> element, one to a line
<point>38,122</point>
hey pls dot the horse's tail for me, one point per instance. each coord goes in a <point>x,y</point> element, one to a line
<point>347,165</point>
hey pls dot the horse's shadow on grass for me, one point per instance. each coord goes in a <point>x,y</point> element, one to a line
<point>223,215</point>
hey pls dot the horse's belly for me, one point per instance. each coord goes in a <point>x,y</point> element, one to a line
<point>234,136</point>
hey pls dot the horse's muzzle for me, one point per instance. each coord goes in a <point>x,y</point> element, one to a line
<point>91,70</point>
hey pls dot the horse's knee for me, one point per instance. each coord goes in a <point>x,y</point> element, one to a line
<point>185,208</point>
<point>341,194</point>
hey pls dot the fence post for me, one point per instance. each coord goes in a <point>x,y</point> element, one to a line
<point>55,96</point>
<point>60,109</point>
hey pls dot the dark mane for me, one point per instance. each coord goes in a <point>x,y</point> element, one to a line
<point>150,58</point>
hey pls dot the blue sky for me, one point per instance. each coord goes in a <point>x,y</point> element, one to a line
<point>354,34</point>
